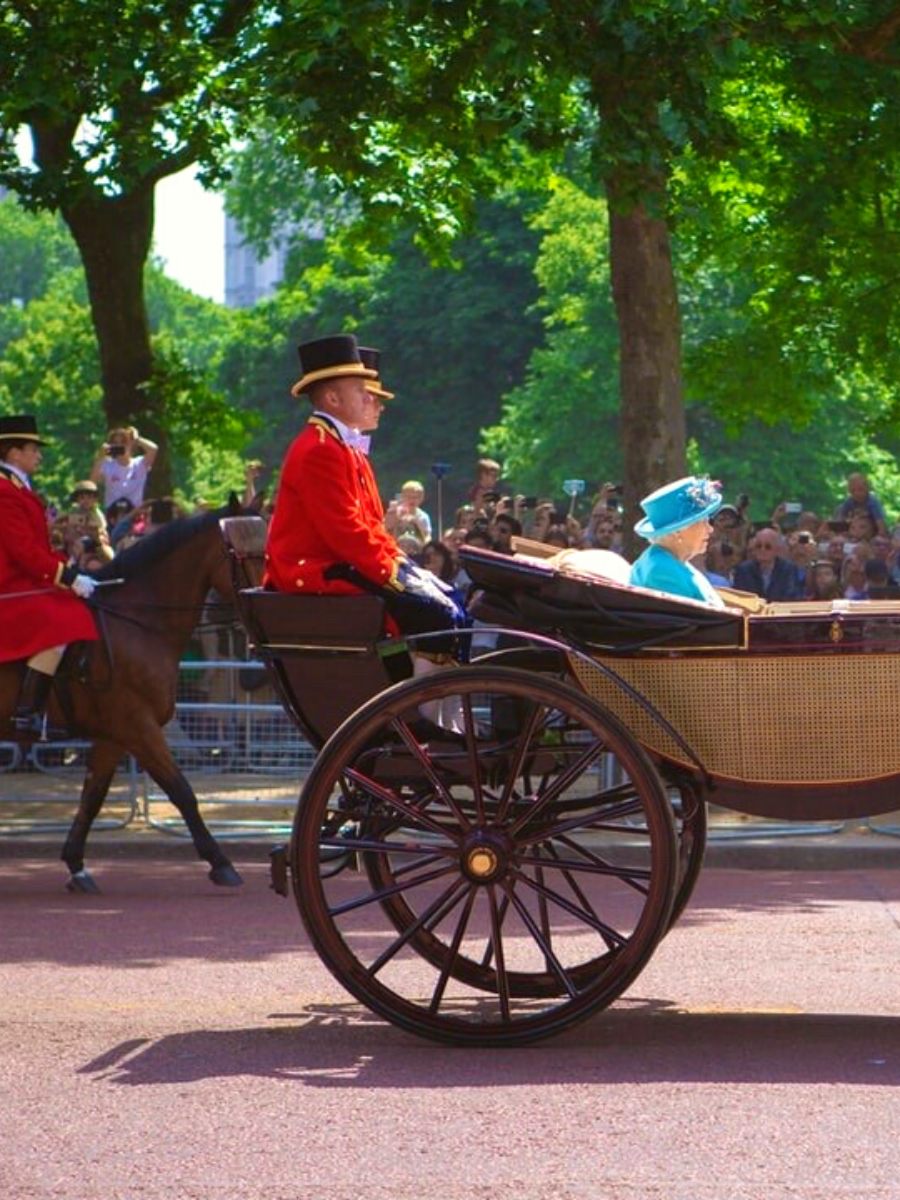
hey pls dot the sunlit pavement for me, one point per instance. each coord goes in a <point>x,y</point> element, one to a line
<point>166,1038</point>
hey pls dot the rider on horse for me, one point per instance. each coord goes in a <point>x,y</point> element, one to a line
<point>41,598</point>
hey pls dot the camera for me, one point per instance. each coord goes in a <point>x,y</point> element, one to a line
<point>490,497</point>
<point>115,451</point>
<point>529,501</point>
<point>804,537</point>
<point>88,543</point>
<point>440,469</point>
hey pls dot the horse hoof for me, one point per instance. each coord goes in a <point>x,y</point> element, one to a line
<point>225,876</point>
<point>81,881</point>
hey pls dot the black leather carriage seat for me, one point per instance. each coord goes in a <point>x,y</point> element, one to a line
<point>530,595</point>
<point>326,655</point>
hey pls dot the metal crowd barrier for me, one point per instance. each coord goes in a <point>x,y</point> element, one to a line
<point>40,787</point>
<point>241,752</point>
<point>246,762</point>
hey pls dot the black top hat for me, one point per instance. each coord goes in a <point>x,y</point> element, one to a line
<point>374,386</point>
<point>22,427</point>
<point>328,357</point>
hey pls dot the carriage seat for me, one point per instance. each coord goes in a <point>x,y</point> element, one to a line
<point>595,606</point>
<point>326,655</point>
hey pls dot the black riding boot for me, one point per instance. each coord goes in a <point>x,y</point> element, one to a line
<point>28,716</point>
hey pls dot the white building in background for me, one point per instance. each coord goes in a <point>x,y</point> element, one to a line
<point>249,278</point>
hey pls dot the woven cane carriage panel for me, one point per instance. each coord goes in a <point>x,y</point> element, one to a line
<point>803,719</point>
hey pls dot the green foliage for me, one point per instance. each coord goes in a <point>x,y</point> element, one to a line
<point>50,366</point>
<point>453,340</point>
<point>51,370</point>
<point>33,248</point>
<point>206,433</point>
<point>562,421</point>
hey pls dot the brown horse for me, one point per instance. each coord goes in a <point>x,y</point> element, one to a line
<point>120,692</point>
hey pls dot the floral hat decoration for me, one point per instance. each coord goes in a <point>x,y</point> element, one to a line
<point>677,505</point>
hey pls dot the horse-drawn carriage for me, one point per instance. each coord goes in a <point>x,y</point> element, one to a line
<point>490,853</point>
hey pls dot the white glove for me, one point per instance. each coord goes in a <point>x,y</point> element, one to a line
<point>83,586</point>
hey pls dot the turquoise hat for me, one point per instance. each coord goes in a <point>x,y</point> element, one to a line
<point>678,505</point>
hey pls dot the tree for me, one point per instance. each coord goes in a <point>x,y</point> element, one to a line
<point>50,366</point>
<point>116,98</point>
<point>454,338</point>
<point>562,421</point>
<point>455,93</point>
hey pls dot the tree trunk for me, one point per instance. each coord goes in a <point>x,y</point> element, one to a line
<point>652,407</point>
<point>113,234</point>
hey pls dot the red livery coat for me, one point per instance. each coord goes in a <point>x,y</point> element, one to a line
<point>328,511</point>
<point>27,563</point>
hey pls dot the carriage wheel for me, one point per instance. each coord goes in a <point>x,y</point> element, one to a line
<point>688,808</point>
<point>690,830</point>
<point>511,887</point>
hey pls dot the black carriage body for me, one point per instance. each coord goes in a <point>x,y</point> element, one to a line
<point>777,710</point>
<point>516,864</point>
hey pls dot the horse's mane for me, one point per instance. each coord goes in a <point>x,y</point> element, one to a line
<point>137,560</point>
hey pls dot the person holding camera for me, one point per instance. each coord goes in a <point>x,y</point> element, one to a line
<point>122,473</point>
<point>41,596</point>
<point>406,515</point>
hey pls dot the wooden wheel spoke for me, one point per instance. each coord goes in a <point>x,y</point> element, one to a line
<point>564,780</point>
<point>585,914</point>
<point>497,941</point>
<point>582,899</point>
<point>437,910</point>
<point>544,943</point>
<point>416,814</point>
<point>452,953</point>
<point>629,875</point>
<point>392,890</point>
<point>473,756</point>
<point>427,766</point>
<point>515,767</point>
<point>590,820</point>
<point>375,846</point>
<point>489,948</point>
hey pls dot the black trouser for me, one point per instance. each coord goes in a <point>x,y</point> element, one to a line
<point>415,614</point>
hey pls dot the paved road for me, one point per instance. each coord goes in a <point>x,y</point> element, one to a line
<point>166,1039</point>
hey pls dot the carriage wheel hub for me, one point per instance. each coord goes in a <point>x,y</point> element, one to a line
<point>484,857</point>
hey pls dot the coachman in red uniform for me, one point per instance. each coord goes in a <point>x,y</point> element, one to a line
<point>327,534</point>
<point>42,605</point>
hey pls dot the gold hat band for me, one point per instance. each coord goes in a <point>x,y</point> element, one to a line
<point>331,373</point>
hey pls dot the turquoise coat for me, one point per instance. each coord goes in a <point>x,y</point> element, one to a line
<point>658,568</point>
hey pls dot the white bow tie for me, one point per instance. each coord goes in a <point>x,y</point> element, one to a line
<point>358,441</point>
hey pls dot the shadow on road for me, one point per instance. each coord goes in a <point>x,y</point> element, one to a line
<point>639,1041</point>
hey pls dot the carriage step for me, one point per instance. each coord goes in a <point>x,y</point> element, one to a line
<point>278,870</point>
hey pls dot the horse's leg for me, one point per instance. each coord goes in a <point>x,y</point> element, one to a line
<point>103,759</point>
<point>156,759</point>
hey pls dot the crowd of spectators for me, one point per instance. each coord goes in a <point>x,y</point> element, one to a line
<point>794,554</point>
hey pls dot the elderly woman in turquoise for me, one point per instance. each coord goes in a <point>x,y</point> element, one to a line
<point>676,523</point>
